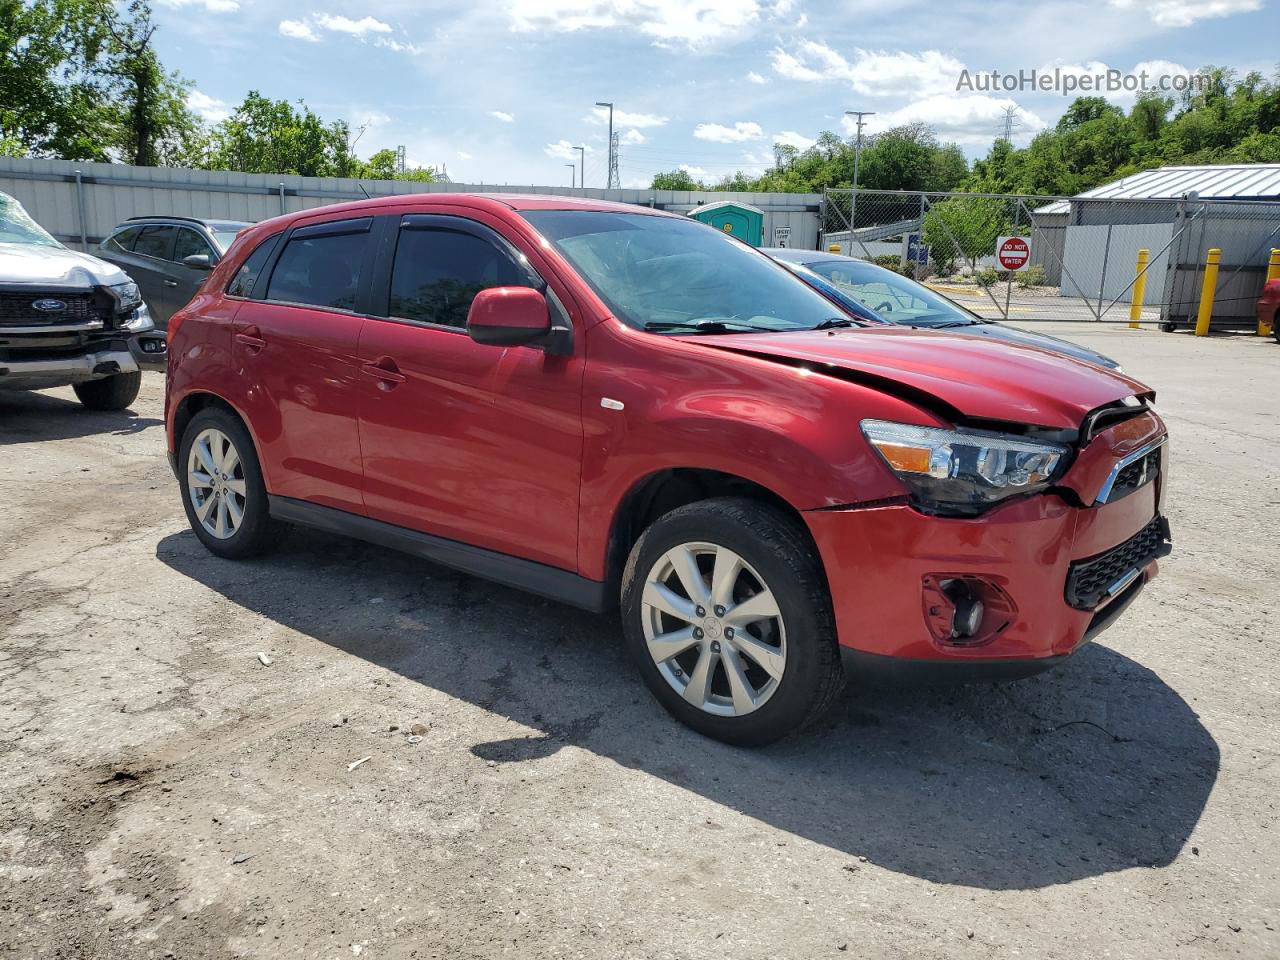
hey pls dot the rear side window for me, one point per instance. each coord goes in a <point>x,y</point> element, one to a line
<point>242,283</point>
<point>121,241</point>
<point>154,242</point>
<point>437,273</point>
<point>321,270</point>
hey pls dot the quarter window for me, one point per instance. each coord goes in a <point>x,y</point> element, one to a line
<point>154,242</point>
<point>246,277</point>
<point>322,270</point>
<point>122,240</point>
<point>437,273</point>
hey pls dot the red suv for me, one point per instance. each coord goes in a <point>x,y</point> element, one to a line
<point>616,407</point>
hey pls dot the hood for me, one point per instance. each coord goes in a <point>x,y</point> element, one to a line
<point>54,267</point>
<point>976,378</point>
<point>1028,338</point>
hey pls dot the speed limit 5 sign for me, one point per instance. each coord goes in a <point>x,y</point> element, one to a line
<point>1012,253</point>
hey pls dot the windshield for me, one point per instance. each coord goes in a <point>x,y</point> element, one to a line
<point>892,296</point>
<point>17,227</point>
<point>223,239</point>
<point>673,275</point>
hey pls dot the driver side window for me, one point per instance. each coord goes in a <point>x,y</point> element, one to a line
<point>438,272</point>
<point>189,243</point>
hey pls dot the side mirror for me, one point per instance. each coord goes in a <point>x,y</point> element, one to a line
<point>198,261</point>
<point>508,316</point>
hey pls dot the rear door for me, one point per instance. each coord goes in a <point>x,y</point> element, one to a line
<point>188,243</point>
<point>474,443</point>
<point>294,348</point>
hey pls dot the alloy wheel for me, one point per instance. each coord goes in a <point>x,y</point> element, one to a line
<point>713,628</point>
<point>215,483</point>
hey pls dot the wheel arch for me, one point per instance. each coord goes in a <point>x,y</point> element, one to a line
<point>198,400</point>
<point>662,491</point>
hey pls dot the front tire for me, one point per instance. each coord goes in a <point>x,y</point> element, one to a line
<point>727,615</point>
<point>110,393</point>
<point>222,489</point>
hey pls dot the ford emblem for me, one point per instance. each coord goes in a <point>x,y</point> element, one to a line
<point>50,306</point>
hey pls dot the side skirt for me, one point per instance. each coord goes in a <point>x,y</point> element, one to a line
<point>546,581</point>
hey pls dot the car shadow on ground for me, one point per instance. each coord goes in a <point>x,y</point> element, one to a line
<point>1095,767</point>
<point>27,417</point>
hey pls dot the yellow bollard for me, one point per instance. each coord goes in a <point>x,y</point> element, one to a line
<point>1273,273</point>
<point>1139,288</point>
<point>1207,287</point>
<point>834,248</point>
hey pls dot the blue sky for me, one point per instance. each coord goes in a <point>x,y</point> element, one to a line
<point>499,90</point>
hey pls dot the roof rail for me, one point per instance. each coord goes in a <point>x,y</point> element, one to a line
<point>166,216</point>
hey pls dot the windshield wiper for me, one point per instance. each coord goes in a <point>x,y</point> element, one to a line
<point>832,322</point>
<point>949,324</point>
<point>703,326</point>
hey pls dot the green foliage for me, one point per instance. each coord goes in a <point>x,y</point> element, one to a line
<point>270,136</point>
<point>675,180</point>
<point>1032,275</point>
<point>891,261</point>
<point>987,277</point>
<point>963,227</point>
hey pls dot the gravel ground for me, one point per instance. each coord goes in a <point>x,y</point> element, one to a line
<point>169,794</point>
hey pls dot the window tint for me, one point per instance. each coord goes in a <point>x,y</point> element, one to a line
<point>190,243</point>
<point>323,270</point>
<point>154,242</point>
<point>121,241</point>
<point>437,273</point>
<point>241,284</point>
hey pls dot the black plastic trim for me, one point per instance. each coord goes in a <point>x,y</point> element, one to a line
<point>539,578</point>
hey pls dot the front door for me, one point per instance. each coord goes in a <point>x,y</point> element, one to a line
<point>473,443</point>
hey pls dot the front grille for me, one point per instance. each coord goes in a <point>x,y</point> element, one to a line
<point>1088,580</point>
<point>1136,475</point>
<point>16,309</point>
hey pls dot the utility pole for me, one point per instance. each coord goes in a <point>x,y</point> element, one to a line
<point>573,174</point>
<point>1010,121</point>
<point>615,181</point>
<point>613,163</point>
<point>857,156</point>
<point>582,161</point>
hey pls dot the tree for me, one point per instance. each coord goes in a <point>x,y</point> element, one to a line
<point>675,180</point>
<point>964,227</point>
<point>270,136</point>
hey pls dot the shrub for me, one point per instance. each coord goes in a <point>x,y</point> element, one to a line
<point>987,277</point>
<point>1032,276</point>
<point>890,261</point>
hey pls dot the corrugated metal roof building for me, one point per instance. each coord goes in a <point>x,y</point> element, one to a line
<point>1237,181</point>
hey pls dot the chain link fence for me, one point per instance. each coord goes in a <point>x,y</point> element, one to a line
<point>1079,256</point>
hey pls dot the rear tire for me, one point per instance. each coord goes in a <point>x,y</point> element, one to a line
<point>110,393</point>
<point>222,490</point>
<point>774,667</point>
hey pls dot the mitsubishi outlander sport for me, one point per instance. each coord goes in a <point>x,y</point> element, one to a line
<point>616,407</point>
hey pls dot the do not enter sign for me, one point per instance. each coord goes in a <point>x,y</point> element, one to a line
<point>1012,253</point>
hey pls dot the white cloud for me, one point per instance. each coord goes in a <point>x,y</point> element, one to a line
<point>399,46</point>
<point>369,119</point>
<point>754,77</point>
<point>972,119</point>
<point>696,172</point>
<point>1183,13</point>
<point>463,155</point>
<point>691,23</point>
<point>502,115</point>
<point>357,28</point>
<point>1154,69</point>
<point>623,118</point>
<point>213,6</point>
<point>209,108</point>
<point>797,140</point>
<point>632,137</point>
<point>874,73</point>
<point>563,150</point>
<point>298,30</point>
<point>719,133</point>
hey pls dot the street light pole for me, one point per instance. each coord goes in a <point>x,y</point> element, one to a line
<point>857,156</point>
<point>582,160</point>
<point>573,174</point>
<point>608,176</point>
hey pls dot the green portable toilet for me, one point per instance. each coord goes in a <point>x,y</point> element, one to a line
<point>732,216</point>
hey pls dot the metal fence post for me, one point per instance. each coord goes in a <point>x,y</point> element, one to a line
<point>84,230</point>
<point>282,206</point>
<point>1106,256</point>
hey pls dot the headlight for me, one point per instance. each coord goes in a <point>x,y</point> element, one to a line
<point>141,320</point>
<point>127,294</point>
<point>963,472</point>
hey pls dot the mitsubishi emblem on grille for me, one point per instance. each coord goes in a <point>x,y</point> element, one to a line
<point>50,305</point>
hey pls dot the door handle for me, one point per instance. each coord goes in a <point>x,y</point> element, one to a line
<point>251,337</point>
<point>170,283</point>
<point>385,371</point>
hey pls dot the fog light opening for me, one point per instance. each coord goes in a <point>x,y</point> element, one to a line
<point>964,610</point>
<point>966,620</point>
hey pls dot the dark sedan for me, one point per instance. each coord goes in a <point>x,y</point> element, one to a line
<point>882,296</point>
